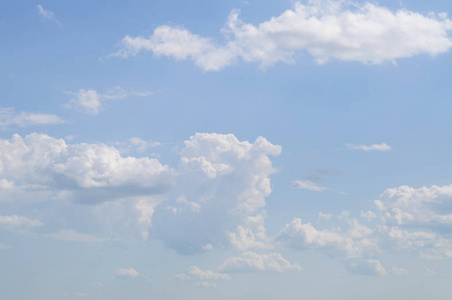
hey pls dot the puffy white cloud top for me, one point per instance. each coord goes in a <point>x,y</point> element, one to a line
<point>325,29</point>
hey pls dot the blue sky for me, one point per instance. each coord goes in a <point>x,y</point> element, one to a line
<point>236,149</point>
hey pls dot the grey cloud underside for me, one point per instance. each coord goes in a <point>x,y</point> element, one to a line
<point>325,30</point>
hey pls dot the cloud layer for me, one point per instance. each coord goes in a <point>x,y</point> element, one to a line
<point>324,29</point>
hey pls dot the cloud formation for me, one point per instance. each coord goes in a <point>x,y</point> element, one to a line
<point>308,185</point>
<point>375,147</point>
<point>9,117</point>
<point>220,195</point>
<point>91,102</point>
<point>48,15</point>
<point>126,273</point>
<point>324,29</point>
<point>254,262</point>
<point>195,273</point>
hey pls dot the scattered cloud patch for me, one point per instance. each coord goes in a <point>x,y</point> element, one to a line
<point>325,217</point>
<point>126,273</point>
<point>368,267</point>
<point>375,147</point>
<point>18,222</point>
<point>195,273</point>
<point>326,30</point>
<point>254,262</point>
<point>9,117</point>
<point>91,102</point>
<point>48,15</point>
<point>142,145</point>
<point>308,185</point>
<point>220,197</point>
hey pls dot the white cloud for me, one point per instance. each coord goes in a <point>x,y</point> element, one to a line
<point>324,29</point>
<point>220,195</point>
<point>18,222</point>
<point>91,102</point>
<point>48,15</point>
<point>195,273</point>
<point>304,236</point>
<point>9,117</point>
<point>187,207</point>
<point>142,145</point>
<point>375,147</point>
<point>357,241</point>
<point>308,185</point>
<point>425,207</point>
<point>126,273</point>
<point>323,216</point>
<point>368,267</point>
<point>42,160</point>
<point>254,262</point>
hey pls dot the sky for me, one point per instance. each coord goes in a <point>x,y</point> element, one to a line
<point>225,149</point>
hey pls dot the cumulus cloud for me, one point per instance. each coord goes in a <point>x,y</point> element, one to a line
<point>91,102</point>
<point>9,117</point>
<point>425,206</point>
<point>375,147</point>
<point>214,198</point>
<point>220,195</point>
<point>195,273</point>
<point>43,160</point>
<point>254,262</point>
<point>126,273</point>
<point>48,15</point>
<point>367,267</point>
<point>308,185</point>
<point>354,242</point>
<point>324,29</point>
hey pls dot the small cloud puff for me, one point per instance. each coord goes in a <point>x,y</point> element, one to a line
<point>126,273</point>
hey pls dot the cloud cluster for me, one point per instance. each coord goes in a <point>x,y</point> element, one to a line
<point>254,262</point>
<point>9,117</point>
<point>91,102</point>
<point>215,198</point>
<point>195,273</point>
<point>220,195</point>
<point>38,159</point>
<point>324,29</point>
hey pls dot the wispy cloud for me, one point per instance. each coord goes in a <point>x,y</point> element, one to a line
<point>308,185</point>
<point>8,117</point>
<point>375,147</point>
<point>48,15</point>
<point>91,102</point>
<point>126,273</point>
